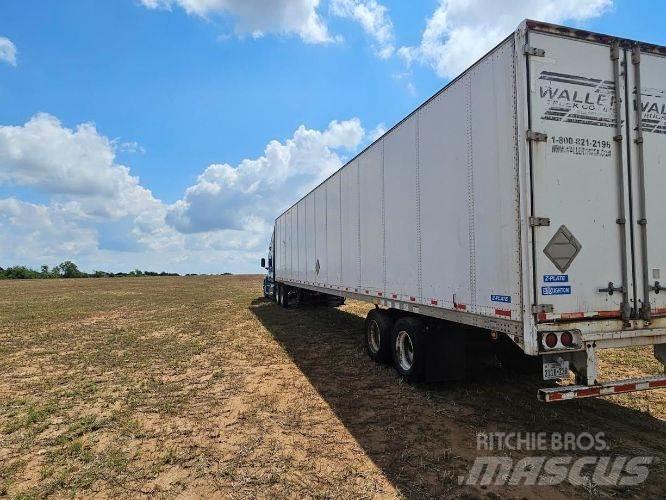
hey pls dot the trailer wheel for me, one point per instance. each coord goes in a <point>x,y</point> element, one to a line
<point>409,348</point>
<point>378,326</point>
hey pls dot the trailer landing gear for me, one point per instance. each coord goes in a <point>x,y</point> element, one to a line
<point>282,295</point>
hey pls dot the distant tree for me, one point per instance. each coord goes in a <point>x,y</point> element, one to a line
<point>20,273</point>
<point>69,270</point>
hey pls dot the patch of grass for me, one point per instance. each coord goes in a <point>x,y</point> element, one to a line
<point>26,418</point>
<point>149,386</point>
<point>80,427</point>
<point>116,459</point>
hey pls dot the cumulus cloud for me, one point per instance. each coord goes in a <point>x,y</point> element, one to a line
<point>377,132</point>
<point>460,31</point>
<point>93,210</point>
<point>373,18</point>
<point>258,17</point>
<point>78,164</point>
<point>91,198</point>
<point>7,51</point>
<point>29,231</point>
<point>249,195</point>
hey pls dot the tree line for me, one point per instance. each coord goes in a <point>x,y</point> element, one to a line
<point>69,269</point>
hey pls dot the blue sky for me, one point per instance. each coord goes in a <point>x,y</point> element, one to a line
<point>140,133</point>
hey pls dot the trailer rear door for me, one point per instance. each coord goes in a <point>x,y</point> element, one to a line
<point>647,141</point>
<point>580,180</point>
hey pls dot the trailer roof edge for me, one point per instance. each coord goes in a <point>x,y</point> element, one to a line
<point>530,24</point>
<point>592,36</point>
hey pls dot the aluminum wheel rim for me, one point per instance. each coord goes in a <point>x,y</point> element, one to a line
<point>374,337</point>
<point>405,350</point>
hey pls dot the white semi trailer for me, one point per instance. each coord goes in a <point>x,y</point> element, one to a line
<point>526,200</point>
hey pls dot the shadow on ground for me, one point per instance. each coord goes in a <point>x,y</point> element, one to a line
<point>423,437</point>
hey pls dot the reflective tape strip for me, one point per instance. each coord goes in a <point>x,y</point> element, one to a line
<point>608,314</point>
<point>503,312</point>
<point>618,387</point>
<point>577,315</point>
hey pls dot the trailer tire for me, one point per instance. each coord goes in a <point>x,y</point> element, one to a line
<point>409,350</point>
<point>378,331</point>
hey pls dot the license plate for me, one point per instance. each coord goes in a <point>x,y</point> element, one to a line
<point>555,370</point>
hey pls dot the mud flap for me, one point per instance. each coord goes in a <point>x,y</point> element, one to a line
<point>447,359</point>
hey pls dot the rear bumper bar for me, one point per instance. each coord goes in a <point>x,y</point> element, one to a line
<point>564,393</point>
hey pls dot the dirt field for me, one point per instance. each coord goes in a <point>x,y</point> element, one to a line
<point>197,387</point>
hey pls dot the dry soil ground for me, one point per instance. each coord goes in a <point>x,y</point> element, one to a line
<point>198,387</point>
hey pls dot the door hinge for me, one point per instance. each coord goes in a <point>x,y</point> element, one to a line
<point>536,136</point>
<point>539,221</point>
<point>542,308</point>
<point>533,51</point>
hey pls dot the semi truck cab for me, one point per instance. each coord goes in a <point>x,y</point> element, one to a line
<point>269,279</point>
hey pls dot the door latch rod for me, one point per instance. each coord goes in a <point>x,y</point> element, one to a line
<point>611,289</point>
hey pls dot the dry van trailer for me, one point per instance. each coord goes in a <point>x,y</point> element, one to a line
<point>515,201</point>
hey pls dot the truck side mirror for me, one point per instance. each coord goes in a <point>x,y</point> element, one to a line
<point>263,262</point>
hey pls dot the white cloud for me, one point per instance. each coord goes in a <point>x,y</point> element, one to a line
<point>29,231</point>
<point>95,212</point>
<point>247,197</point>
<point>377,132</point>
<point>373,18</point>
<point>7,51</point>
<point>78,165</point>
<point>460,31</point>
<point>91,197</point>
<point>258,17</point>
<point>130,147</point>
